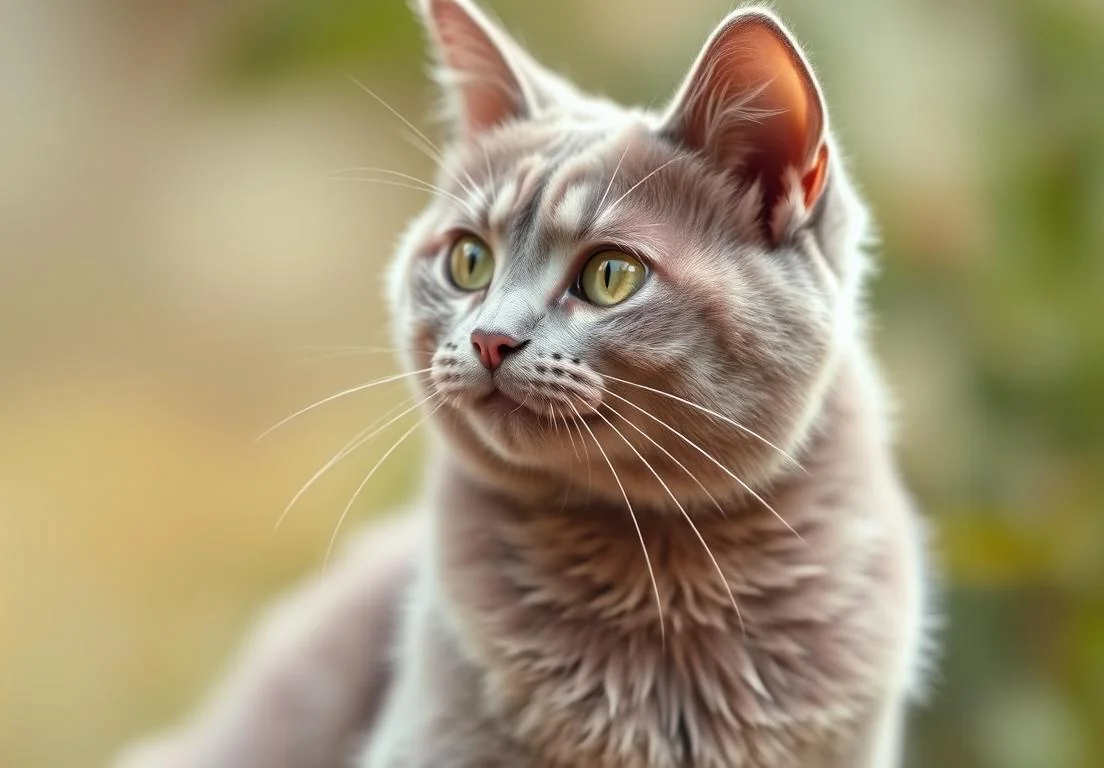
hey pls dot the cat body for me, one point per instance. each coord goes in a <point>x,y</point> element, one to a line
<point>525,645</point>
<point>662,525</point>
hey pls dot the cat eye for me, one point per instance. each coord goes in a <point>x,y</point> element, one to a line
<point>610,277</point>
<point>471,264</point>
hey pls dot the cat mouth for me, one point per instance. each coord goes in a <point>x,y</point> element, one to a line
<point>530,408</point>
<point>519,423</point>
<point>498,402</point>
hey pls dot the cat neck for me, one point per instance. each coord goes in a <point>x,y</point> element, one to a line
<point>561,547</point>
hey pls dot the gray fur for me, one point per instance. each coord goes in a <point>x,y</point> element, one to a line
<point>560,604</point>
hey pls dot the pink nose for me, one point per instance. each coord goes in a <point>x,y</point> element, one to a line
<point>493,348</point>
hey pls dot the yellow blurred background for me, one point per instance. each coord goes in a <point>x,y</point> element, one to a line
<point>177,273</point>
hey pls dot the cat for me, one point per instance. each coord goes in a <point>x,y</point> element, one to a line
<point>662,523</point>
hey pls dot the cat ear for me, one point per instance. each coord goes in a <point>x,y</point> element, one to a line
<point>487,76</point>
<point>752,105</point>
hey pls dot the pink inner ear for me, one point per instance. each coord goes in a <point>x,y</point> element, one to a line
<point>752,104</point>
<point>812,183</point>
<point>481,75</point>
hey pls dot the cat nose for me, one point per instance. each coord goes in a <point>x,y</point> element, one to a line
<point>493,348</point>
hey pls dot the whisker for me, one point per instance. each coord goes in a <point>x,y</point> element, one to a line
<point>396,113</point>
<point>567,429</point>
<point>586,453</point>
<point>519,407</point>
<point>715,415</point>
<point>636,524</point>
<point>709,456</point>
<point>343,393</point>
<point>422,147</point>
<point>361,438</point>
<point>364,482</point>
<point>613,177</point>
<point>440,156</point>
<point>563,502</point>
<point>556,428</point>
<point>634,187</point>
<point>439,161</point>
<point>667,453</point>
<point>341,173</point>
<point>689,520</point>
<point>389,183</point>
<point>543,430</point>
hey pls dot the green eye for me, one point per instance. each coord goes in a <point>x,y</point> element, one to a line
<point>471,264</point>
<point>610,277</point>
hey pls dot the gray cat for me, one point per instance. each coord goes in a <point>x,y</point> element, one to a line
<point>662,525</point>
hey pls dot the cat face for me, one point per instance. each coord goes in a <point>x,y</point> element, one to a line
<point>648,289</point>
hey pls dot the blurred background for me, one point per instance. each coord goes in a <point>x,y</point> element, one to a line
<point>177,273</point>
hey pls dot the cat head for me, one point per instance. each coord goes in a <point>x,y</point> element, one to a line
<point>667,289</point>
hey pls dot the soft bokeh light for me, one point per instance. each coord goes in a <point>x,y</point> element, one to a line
<point>178,271</point>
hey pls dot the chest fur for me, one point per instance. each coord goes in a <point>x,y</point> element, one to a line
<point>744,658</point>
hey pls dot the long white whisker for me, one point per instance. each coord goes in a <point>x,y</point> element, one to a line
<point>689,520</point>
<point>422,147</point>
<point>343,393</point>
<point>636,524</point>
<point>613,177</point>
<point>361,438</point>
<point>637,184</point>
<point>567,492</point>
<point>372,471</point>
<point>556,426</point>
<point>439,161</point>
<point>395,112</point>
<point>586,453</point>
<point>667,453</point>
<point>567,429</point>
<point>712,413</point>
<point>440,155</point>
<point>340,173</point>
<point>709,456</point>
<point>542,429</point>
<point>437,192</point>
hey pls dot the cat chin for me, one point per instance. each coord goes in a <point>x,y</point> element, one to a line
<point>509,429</point>
<point>498,403</point>
<point>510,432</point>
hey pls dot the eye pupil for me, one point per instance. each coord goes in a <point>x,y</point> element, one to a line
<point>610,277</point>
<point>471,264</point>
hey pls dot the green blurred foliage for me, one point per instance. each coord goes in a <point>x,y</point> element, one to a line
<point>1011,302</point>
<point>291,36</point>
